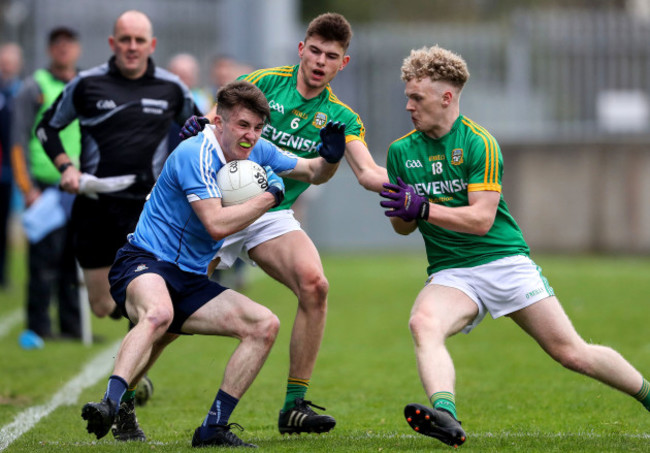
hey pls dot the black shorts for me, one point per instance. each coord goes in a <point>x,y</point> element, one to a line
<point>188,291</point>
<point>100,227</point>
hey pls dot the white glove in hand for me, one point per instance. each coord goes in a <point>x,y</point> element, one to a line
<point>90,185</point>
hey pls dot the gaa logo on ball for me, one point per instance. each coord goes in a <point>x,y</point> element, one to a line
<point>241,180</point>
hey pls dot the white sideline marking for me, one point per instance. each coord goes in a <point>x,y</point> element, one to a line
<point>94,370</point>
<point>8,322</point>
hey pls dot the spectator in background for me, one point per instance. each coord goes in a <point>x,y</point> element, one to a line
<point>11,63</point>
<point>125,108</point>
<point>51,262</point>
<point>224,69</point>
<point>188,69</point>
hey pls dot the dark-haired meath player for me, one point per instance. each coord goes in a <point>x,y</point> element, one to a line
<point>302,102</point>
<point>446,181</point>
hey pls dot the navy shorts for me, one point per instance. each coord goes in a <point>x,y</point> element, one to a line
<point>188,291</point>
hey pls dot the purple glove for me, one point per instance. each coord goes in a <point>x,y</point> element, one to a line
<point>404,202</point>
<point>193,126</point>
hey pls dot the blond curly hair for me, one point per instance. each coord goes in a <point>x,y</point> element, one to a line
<point>437,64</point>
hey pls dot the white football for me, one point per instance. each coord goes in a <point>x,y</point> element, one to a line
<point>240,180</point>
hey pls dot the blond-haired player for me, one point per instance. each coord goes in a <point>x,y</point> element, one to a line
<point>446,182</point>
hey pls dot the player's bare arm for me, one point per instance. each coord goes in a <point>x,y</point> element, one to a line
<point>404,206</point>
<point>312,171</point>
<point>221,221</point>
<point>370,175</point>
<point>402,226</point>
<point>476,218</point>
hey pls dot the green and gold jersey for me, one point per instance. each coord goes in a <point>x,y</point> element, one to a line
<point>445,170</point>
<point>296,122</point>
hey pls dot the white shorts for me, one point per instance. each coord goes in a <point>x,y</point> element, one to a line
<point>500,287</point>
<point>270,225</point>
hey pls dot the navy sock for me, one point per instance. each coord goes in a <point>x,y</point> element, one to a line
<point>116,389</point>
<point>220,411</point>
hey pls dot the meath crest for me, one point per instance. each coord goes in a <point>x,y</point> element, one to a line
<point>457,156</point>
<point>320,119</point>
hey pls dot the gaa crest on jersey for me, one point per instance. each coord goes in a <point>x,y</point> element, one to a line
<point>457,156</point>
<point>320,119</point>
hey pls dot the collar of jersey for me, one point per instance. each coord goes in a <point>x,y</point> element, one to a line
<point>208,134</point>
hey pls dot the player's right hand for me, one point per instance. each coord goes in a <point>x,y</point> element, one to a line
<point>70,180</point>
<point>276,185</point>
<point>404,202</point>
<point>193,126</point>
<point>332,145</point>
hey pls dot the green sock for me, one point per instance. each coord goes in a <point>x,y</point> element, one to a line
<point>444,400</point>
<point>643,395</point>
<point>129,394</point>
<point>296,388</point>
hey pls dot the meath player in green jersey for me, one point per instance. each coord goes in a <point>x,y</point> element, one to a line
<point>446,181</point>
<point>302,103</point>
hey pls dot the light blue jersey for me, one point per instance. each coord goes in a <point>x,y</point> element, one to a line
<point>168,226</point>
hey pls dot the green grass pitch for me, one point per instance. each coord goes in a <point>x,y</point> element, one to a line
<point>511,397</point>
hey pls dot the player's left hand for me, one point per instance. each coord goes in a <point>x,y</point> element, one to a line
<point>332,145</point>
<point>193,126</point>
<point>276,185</point>
<point>403,202</point>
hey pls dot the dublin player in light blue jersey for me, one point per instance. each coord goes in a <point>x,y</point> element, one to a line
<point>159,278</point>
<point>181,238</point>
